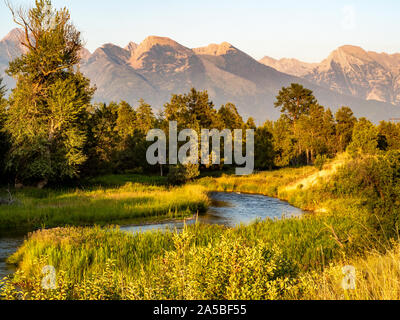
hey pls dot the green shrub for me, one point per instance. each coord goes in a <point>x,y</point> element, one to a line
<point>183,173</point>
<point>231,269</point>
<point>376,179</point>
<point>320,161</point>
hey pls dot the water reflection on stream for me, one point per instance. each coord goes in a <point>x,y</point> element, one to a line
<point>231,209</point>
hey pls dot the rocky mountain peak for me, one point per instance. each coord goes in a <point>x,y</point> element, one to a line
<point>289,66</point>
<point>160,54</point>
<point>110,52</point>
<point>85,54</point>
<point>151,42</point>
<point>131,47</point>
<point>347,55</point>
<point>216,49</point>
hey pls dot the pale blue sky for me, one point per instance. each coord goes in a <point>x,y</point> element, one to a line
<point>308,29</point>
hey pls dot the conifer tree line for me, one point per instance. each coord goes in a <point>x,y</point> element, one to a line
<point>51,131</point>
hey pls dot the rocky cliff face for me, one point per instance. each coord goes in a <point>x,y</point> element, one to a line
<point>352,71</point>
<point>290,66</point>
<point>159,67</point>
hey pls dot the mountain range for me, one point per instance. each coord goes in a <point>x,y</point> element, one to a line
<point>350,70</point>
<point>159,66</point>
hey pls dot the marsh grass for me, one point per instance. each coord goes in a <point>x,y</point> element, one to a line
<point>186,265</point>
<point>130,202</point>
<point>296,258</point>
<point>266,183</point>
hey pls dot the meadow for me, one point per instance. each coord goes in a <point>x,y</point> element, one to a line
<point>352,193</point>
<point>296,258</point>
<point>104,200</point>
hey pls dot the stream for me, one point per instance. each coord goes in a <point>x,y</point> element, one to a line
<point>227,209</point>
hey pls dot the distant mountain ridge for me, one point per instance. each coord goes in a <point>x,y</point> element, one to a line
<point>159,67</point>
<point>352,71</point>
<point>10,48</point>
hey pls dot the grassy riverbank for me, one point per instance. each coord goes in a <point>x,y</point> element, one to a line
<point>107,200</point>
<point>302,187</point>
<point>298,258</point>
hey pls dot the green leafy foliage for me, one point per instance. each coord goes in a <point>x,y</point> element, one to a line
<point>180,173</point>
<point>50,96</point>
<point>365,139</point>
<point>295,101</point>
<point>345,122</point>
<point>320,161</point>
<point>376,179</point>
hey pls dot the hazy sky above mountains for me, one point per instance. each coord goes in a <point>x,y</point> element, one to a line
<point>308,30</point>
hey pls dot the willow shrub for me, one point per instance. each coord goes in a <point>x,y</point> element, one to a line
<point>181,268</point>
<point>376,180</point>
<point>231,269</point>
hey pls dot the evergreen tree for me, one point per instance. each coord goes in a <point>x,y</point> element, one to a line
<point>126,120</point>
<point>3,101</point>
<point>47,116</point>
<point>135,153</point>
<point>295,101</point>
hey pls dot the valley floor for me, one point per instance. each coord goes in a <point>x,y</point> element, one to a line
<point>107,200</point>
<point>297,258</point>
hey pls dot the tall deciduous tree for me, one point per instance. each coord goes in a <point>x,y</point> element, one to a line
<point>283,141</point>
<point>365,139</point>
<point>389,134</point>
<point>295,102</point>
<point>345,121</point>
<point>193,110</point>
<point>316,133</point>
<point>145,118</point>
<point>230,117</point>
<point>47,117</point>
<point>251,124</point>
<point>264,148</point>
<point>106,137</point>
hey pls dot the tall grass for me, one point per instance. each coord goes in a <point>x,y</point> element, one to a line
<point>130,202</point>
<point>190,265</point>
<point>377,277</point>
<point>267,183</point>
<point>297,258</point>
